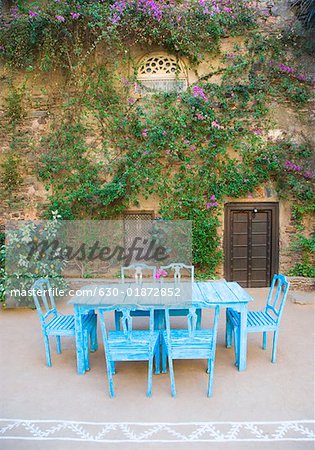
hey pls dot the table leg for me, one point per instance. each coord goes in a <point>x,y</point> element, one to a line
<point>159,319</point>
<point>242,351</point>
<point>79,340</point>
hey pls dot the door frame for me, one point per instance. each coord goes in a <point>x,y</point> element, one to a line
<point>247,206</point>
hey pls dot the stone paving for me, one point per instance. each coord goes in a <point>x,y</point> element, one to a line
<point>269,406</point>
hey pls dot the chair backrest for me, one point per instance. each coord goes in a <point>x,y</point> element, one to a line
<point>44,299</point>
<point>138,270</point>
<point>192,323</point>
<point>277,296</point>
<point>126,321</point>
<point>178,268</point>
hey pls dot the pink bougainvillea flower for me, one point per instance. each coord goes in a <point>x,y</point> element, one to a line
<point>192,148</point>
<point>285,68</point>
<point>301,77</point>
<point>131,100</point>
<point>215,124</point>
<point>186,142</point>
<point>200,117</point>
<point>198,92</point>
<point>168,151</point>
<point>211,205</point>
<point>160,273</point>
<point>213,198</point>
<point>75,15</point>
<point>290,165</point>
<point>33,13</point>
<point>308,175</point>
<point>60,18</point>
<point>145,132</point>
<point>257,131</point>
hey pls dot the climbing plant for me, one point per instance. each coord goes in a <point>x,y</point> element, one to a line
<point>190,150</point>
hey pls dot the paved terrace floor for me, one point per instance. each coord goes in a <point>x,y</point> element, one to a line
<point>269,406</point>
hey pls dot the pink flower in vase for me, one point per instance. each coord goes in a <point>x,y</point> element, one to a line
<point>160,273</point>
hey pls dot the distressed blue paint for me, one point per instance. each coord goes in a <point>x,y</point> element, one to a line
<point>137,270</point>
<point>177,268</point>
<point>259,321</point>
<point>190,343</point>
<point>202,295</point>
<point>55,324</point>
<point>130,345</point>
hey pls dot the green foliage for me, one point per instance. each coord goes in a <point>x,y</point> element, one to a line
<point>10,177</point>
<point>14,108</point>
<point>190,150</point>
<point>22,270</point>
<point>63,33</point>
<point>306,246</point>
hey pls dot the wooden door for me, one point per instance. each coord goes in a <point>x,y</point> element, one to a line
<point>251,243</point>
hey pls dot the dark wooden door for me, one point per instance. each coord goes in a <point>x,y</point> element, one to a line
<point>251,243</point>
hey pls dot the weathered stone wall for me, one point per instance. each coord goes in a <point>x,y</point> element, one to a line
<point>42,104</point>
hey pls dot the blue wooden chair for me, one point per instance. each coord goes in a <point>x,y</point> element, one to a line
<point>130,345</point>
<point>178,269</point>
<point>189,343</point>
<point>260,321</point>
<point>55,324</point>
<point>138,270</point>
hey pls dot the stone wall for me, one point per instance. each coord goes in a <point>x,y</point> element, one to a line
<point>42,104</point>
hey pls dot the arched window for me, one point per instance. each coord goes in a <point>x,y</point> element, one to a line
<point>160,72</point>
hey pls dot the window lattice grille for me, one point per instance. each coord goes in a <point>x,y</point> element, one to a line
<point>161,73</point>
<point>138,225</point>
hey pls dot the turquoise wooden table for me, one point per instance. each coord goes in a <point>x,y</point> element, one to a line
<point>159,296</point>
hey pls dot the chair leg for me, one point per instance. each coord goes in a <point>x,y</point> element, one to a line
<point>47,350</point>
<point>113,367</point>
<point>110,379</point>
<point>199,314</point>
<point>86,350</point>
<point>236,345</point>
<point>164,356</point>
<point>150,370</point>
<point>228,332</point>
<point>157,358</point>
<point>117,320</point>
<point>58,344</point>
<point>210,371</point>
<point>264,346</point>
<point>93,336</point>
<point>274,347</point>
<point>170,365</point>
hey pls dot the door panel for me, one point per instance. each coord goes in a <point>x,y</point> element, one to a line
<point>251,243</point>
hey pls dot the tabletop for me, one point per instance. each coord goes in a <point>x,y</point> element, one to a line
<point>161,294</point>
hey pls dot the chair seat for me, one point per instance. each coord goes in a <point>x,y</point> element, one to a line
<point>190,347</point>
<point>137,347</point>
<point>64,324</point>
<point>181,337</point>
<point>255,319</point>
<point>139,337</point>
